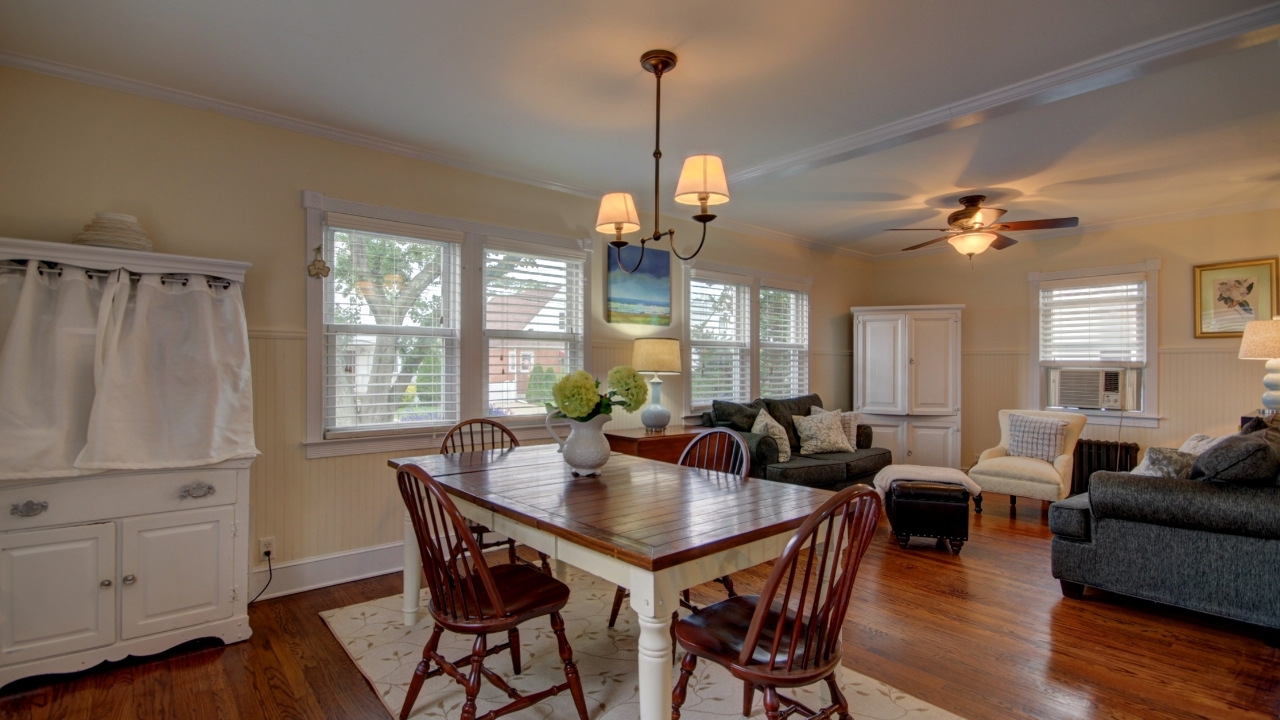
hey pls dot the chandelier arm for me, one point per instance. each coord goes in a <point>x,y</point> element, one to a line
<point>639,260</point>
<point>695,252</point>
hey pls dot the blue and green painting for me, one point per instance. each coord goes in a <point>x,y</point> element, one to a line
<point>642,297</point>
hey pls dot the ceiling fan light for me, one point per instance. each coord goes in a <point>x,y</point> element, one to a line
<point>702,181</point>
<point>972,243</point>
<point>617,214</point>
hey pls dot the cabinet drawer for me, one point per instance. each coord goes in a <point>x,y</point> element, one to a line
<point>102,497</point>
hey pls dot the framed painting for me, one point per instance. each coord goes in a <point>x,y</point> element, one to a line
<point>642,297</point>
<point>1230,294</point>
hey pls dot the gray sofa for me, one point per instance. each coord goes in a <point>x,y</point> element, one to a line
<point>1205,546</point>
<point>829,471</point>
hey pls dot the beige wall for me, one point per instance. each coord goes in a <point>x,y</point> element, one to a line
<point>1203,387</point>
<point>208,185</point>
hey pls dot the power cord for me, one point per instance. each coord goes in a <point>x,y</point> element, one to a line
<point>269,575</point>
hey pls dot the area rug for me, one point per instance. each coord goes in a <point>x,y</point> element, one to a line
<point>386,652</point>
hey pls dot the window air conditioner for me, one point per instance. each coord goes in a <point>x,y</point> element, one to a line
<point>1094,388</point>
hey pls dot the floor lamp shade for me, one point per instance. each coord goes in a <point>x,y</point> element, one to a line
<point>659,356</point>
<point>1261,341</point>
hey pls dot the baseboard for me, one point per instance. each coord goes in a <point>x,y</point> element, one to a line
<point>311,573</point>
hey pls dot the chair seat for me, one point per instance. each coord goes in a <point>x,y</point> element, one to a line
<point>716,632</point>
<point>527,593</point>
<point>1011,467</point>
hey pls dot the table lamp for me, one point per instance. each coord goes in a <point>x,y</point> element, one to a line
<point>1261,341</point>
<point>657,356</point>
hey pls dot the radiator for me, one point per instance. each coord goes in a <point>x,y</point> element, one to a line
<point>1094,455</point>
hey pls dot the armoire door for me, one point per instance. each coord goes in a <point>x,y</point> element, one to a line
<point>175,570</point>
<point>933,443</point>
<point>891,435</point>
<point>57,591</point>
<point>934,350</point>
<point>880,365</point>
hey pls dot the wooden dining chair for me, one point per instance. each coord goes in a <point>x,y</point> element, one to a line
<point>474,436</point>
<point>723,452</point>
<point>790,635</point>
<point>470,598</point>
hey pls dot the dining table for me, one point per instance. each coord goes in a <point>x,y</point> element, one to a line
<point>653,527</point>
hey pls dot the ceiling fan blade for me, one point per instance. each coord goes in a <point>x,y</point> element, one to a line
<point>932,229</point>
<point>1002,242</point>
<point>1040,224</point>
<point>926,244</point>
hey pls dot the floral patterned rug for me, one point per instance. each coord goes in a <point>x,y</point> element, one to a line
<point>386,652</point>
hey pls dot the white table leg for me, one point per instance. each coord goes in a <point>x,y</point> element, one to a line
<point>654,597</point>
<point>412,572</point>
<point>561,570</point>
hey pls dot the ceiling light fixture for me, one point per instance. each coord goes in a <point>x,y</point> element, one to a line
<point>702,183</point>
<point>972,243</point>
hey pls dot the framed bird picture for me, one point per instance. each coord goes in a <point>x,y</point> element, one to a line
<point>1230,294</point>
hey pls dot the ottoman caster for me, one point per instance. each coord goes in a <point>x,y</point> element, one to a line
<point>903,541</point>
<point>977,504</point>
<point>955,546</point>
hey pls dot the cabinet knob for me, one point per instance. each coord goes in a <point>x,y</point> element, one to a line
<point>912,361</point>
<point>105,584</point>
<point>30,508</point>
<point>129,579</point>
<point>908,455</point>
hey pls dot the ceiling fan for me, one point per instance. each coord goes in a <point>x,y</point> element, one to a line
<point>974,228</point>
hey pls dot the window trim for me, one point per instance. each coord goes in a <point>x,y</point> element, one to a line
<point>474,238</point>
<point>1150,415</point>
<point>755,279</point>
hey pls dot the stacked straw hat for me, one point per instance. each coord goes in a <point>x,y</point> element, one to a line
<point>114,230</point>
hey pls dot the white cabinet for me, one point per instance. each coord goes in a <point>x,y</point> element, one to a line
<point>906,380</point>
<point>99,567</point>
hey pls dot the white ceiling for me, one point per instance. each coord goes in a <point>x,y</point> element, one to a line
<point>553,91</point>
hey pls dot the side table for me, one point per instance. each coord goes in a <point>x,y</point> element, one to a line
<point>665,446</point>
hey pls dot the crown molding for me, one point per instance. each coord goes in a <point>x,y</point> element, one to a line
<point>284,122</point>
<point>1214,38</point>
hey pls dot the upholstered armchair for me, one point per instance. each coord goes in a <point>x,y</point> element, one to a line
<point>1000,472</point>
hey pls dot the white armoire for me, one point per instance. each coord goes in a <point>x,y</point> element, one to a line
<point>906,380</point>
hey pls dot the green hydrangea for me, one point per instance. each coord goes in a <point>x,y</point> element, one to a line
<point>630,388</point>
<point>576,395</point>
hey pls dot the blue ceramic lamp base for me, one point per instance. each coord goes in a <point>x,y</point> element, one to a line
<point>655,417</point>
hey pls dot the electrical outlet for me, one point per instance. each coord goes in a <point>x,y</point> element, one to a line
<point>266,545</point>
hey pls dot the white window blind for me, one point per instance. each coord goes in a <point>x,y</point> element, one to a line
<point>391,330</point>
<point>719,341</point>
<point>533,325</point>
<point>1094,321</point>
<point>784,342</point>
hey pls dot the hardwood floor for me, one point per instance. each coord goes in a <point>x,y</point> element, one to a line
<point>985,634</point>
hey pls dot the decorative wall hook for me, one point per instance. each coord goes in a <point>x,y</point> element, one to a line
<point>318,267</point>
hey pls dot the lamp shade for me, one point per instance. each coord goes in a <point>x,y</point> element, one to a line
<point>617,209</point>
<point>656,355</point>
<point>702,176</point>
<point>1261,340</point>
<point>972,243</point>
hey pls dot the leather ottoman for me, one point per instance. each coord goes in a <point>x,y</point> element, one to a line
<point>928,509</point>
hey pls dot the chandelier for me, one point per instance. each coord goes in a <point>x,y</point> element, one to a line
<point>702,183</point>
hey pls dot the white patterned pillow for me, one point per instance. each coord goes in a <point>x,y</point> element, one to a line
<point>1198,443</point>
<point>1036,437</point>
<point>821,434</point>
<point>848,421</point>
<point>766,425</point>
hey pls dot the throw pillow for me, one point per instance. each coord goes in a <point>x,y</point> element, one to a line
<point>1197,444</point>
<point>1036,437</point>
<point>783,409</point>
<point>848,422</point>
<point>1166,463</point>
<point>1250,459</point>
<point>821,434</point>
<point>766,425</point>
<point>734,415</point>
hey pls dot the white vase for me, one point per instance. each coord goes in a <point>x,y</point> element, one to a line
<point>586,450</point>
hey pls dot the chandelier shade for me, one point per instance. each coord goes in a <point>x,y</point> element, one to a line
<point>972,243</point>
<point>702,181</point>
<point>617,209</point>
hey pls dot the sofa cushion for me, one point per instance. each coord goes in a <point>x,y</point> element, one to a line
<point>860,462</point>
<point>1251,459</point>
<point>735,416</point>
<point>1070,518</point>
<point>783,408</point>
<point>1190,504</point>
<point>1036,437</point>
<point>808,471</point>
<point>766,425</point>
<point>821,434</point>
<point>1016,468</point>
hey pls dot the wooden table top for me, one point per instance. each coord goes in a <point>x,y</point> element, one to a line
<point>650,514</point>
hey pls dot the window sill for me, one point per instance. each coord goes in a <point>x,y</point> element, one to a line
<point>425,442</point>
<point>1101,417</point>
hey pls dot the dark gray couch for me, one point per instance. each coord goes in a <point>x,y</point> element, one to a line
<point>1204,546</point>
<point>829,471</point>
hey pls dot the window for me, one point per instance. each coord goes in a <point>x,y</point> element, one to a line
<point>533,327</point>
<point>1095,340</point>
<point>719,341</point>
<point>784,342</point>
<point>390,329</point>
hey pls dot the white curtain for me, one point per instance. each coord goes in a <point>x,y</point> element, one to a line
<point>119,374</point>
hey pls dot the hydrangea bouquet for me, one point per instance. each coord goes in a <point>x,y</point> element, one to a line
<point>578,397</point>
